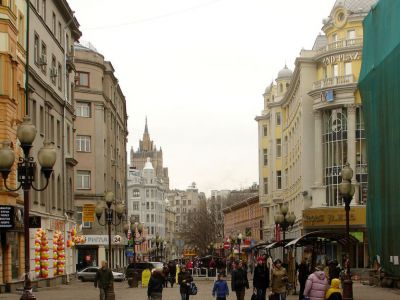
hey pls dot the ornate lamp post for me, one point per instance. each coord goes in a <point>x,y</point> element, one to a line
<point>26,134</point>
<point>112,217</point>
<point>347,190</point>
<point>163,249</point>
<point>158,241</point>
<point>134,233</point>
<point>285,220</point>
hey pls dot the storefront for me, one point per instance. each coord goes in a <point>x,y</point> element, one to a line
<point>334,219</point>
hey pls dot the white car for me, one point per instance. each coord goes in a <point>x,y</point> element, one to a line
<point>89,274</point>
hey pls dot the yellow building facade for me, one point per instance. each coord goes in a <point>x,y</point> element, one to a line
<point>321,129</point>
<point>12,110</point>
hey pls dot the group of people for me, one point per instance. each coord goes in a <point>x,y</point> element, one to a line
<point>313,284</point>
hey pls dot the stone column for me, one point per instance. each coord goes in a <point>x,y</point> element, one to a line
<point>318,149</point>
<point>351,145</point>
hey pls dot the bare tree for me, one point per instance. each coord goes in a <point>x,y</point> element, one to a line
<point>200,229</point>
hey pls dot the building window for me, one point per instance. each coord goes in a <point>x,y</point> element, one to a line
<point>21,29</point>
<point>58,133</point>
<point>279,180</point>
<point>41,111</point>
<point>44,10</point>
<point>59,71</point>
<point>335,70</point>
<point>54,23</point>
<point>135,205</point>
<point>278,147</point>
<point>83,109</point>
<point>351,35</point>
<point>79,218</point>
<point>83,180</point>
<point>265,157</point>
<point>82,79</point>
<point>152,218</point>
<point>83,143</point>
<point>53,70</point>
<point>265,185</point>
<point>278,118</point>
<point>51,127</point>
<point>43,58</point>
<point>136,193</point>
<point>68,139</point>
<point>348,68</point>
<point>265,130</point>
<point>36,49</point>
<point>148,218</point>
<point>189,202</point>
<point>33,112</point>
<point>59,32</point>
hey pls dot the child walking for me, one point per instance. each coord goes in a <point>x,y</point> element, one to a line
<point>220,288</point>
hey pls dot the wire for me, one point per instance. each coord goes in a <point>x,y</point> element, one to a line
<point>146,20</point>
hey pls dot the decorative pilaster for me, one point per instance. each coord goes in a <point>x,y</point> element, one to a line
<point>318,149</point>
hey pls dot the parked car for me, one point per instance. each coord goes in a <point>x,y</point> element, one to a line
<point>89,274</point>
<point>140,266</point>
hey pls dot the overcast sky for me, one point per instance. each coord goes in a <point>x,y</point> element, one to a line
<point>197,69</point>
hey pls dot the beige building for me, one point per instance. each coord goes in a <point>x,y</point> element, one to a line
<point>53,29</point>
<point>100,149</point>
<point>170,232</point>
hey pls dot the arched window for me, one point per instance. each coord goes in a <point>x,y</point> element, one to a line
<point>280,87</point>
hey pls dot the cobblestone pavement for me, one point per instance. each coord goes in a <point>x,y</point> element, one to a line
<point>85,291</point>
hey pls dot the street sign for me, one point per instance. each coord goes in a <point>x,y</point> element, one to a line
<point>35,222</point>
<point>129,251</point>
<point>6,217</point>
<point>227,245</point>
<point>88,213</point>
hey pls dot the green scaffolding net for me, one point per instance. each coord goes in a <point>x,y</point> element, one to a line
<point>380,89</point>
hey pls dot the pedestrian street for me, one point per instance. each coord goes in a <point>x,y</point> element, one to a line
<point>77,290</point>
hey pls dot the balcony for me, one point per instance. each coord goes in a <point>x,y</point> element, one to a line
<point>333,81</point>
<point>342,44</point>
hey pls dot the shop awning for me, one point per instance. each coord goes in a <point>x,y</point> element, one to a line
<point>322,235</point>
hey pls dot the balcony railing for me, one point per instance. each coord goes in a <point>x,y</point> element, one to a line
<point>333,81</point>
<point>341,44</point>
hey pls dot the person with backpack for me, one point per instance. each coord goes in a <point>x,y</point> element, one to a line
<point>184,280</point>
<point>239,280</point>
<point>220,288</point>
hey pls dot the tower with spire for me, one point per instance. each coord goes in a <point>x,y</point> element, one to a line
<point>147,148</point>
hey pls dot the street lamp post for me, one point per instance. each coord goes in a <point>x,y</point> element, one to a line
<point>110,220</point>
<point>26,134</point>
<point>347,190</point>
<point>285,220</point>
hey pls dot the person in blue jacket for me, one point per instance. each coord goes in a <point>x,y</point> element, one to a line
<point>220,288</point>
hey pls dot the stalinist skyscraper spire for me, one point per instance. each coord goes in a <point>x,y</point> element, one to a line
<point>147,148</point>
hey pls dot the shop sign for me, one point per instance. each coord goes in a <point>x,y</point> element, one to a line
<point>102,240</point>
<point>344,57</point>
<point>333,216</point>
<point>6,217</point>
<point>129,251</point>
<point>35,222</point>
<point>88,213</point>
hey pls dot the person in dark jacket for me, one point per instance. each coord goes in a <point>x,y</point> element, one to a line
<point>104,280</point>
<point>184,280</point>
<point>172,272</point>
<point>156,284</point>
<point>304,272</point>
<point>239,280</point>
<point>261,279</point>
<point>220,288</point>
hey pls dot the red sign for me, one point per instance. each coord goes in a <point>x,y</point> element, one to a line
<point>227,245</point>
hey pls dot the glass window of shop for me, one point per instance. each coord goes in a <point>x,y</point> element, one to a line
<point>361,170</point>
<point>15,255</point>
<point>335,151</point>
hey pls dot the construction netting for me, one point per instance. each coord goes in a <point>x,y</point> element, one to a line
<point>380,89</point>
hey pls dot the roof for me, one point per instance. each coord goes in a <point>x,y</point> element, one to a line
<point>285,73</point>
<point>320,42</point>
<point>359,6</point>
<point>326,235</point>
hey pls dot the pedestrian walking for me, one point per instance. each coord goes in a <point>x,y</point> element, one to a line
<point>184,280</point>
<point>220,288</point>
<point>261,279</point>
<point>172,272</point>
<point>104,280</point>
<point>156,284</point>
<point>239,280</point>
<point>304,272</point>
<point>165,272</point>
<point>334,292</point>
<point>316,284</point>
<point>278,281</point>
